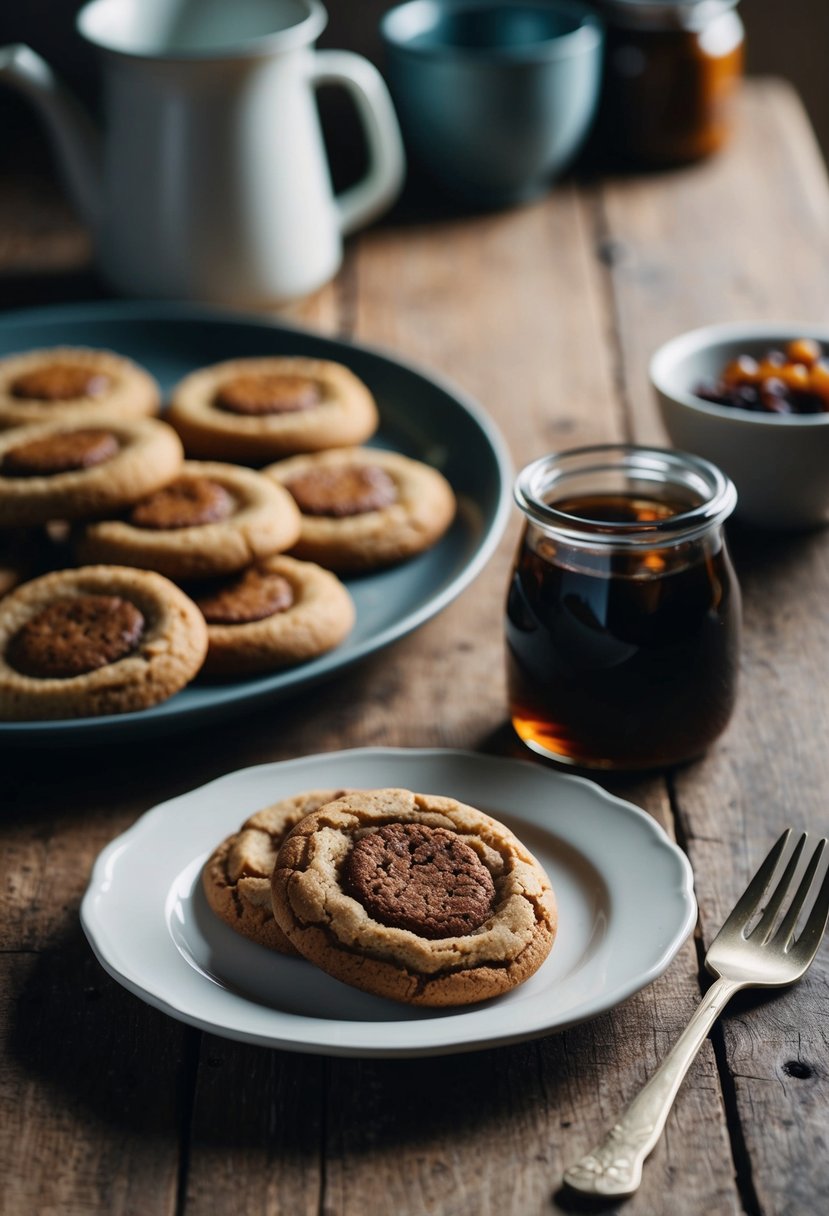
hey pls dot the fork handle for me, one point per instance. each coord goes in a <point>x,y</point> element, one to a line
<point>614,1167</point>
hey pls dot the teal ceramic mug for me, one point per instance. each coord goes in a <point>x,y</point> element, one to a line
<point>495,97</point>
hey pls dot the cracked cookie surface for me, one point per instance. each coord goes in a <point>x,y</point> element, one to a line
<point>396,931</point>
<point>237,876</point>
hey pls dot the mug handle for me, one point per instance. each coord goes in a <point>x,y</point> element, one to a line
<point>379,188</point>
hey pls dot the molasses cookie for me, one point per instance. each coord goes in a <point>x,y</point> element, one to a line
<point>363,508</point>
<point>213,519</point>
<point>413,897</point>
<point>237,876</point>
<point>256,410</point>
<point>73,386</point>
<point>55,471</point>
<point>274,614</point>
<point>99,640</point>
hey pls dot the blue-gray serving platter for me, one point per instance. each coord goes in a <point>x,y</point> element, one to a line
<point>421,416</point>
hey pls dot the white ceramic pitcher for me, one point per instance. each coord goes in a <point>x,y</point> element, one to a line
<point>211,180</point>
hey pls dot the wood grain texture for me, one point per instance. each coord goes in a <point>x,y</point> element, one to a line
<point>91,1095</point>
<point>487,1133</point>
<point>768,259</point>
<point>741,237</point>
<point>492,1132</point>
<point>257,1135</point>
<point>546,314</point>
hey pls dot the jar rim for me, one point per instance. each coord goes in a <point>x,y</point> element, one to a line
<point>716,491</point>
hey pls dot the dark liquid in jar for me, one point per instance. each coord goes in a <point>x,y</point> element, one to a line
<point>621,660</point>
<point>669,86</point>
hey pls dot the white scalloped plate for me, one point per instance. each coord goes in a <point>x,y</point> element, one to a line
<point>624,891</point>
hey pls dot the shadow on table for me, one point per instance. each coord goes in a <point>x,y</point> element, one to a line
<point>116,782</point>
<point>100,1058</point>
<point>89,1045</point>
<point>125,1079</point>
<point>92,780</point>
<point>757,551</point>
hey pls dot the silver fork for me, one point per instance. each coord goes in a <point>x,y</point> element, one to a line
<point>767,956</point>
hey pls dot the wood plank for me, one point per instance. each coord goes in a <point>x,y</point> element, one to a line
<point>93,1083</point>
<point>538,360</point>
<point>556,387</point>
<point>766,256</point>
<point>490,1134</point>
<point>90,1093</point>
<point>487,301</point>
<point>376,1157</point>
<point>257,1132</point>
<point>254,1137</point>
<point>772,772</point>
<point>511,306</point>
<point>709,243</point>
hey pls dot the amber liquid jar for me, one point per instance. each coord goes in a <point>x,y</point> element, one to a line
<point>623,610</point>
<point>671,76</point>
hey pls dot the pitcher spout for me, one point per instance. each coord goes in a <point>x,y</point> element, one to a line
<point>72,132</point>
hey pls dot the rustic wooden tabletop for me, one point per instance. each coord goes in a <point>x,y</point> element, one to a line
<point>547,314</point>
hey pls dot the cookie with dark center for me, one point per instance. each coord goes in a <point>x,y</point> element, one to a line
<point>277,613</point>
<point>363,509</point>
<point>95,640</point>
<point>214,519</point>
<point>259,409</point>
<point>74,385</point>
<point>414,897</point>
<point>54,471</point>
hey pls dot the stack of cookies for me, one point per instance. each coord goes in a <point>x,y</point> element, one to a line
<point>161,551</point>
<point>413,897</point>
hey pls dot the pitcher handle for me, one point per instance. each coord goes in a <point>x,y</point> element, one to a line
<point>69,126</point>
<point>379,188</point>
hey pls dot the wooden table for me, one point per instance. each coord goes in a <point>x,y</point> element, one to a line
<point>546,314</point>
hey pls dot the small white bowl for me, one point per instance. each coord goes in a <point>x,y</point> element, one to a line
<point>779,463</point>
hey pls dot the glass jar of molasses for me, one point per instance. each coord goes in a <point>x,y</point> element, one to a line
<point>671,73</point>
<point>623,611</point>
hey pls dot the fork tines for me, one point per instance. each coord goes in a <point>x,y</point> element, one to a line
<point>751,905</point>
